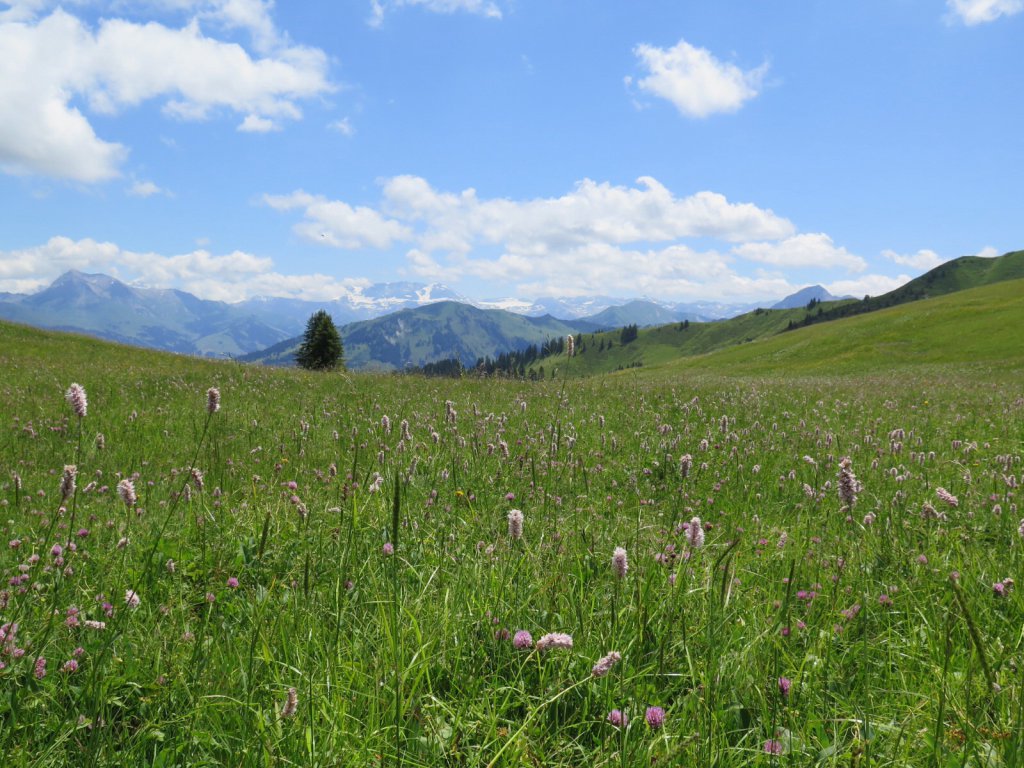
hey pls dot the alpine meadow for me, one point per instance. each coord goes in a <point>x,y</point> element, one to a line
<point>511,384</point>
<point>210,563</point>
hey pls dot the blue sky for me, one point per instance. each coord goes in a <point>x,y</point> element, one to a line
<point>730,150</point>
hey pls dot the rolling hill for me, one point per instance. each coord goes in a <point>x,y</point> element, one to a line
<point>603,353</point>
<point>974,327</point>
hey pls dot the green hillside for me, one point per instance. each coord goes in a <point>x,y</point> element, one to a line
<point>439,331</point>
<point>979,327</point>
<point>606,352</point>
<point>660,345</point>
<point>956,275</point>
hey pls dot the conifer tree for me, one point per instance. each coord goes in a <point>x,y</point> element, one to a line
<point>321,348</point>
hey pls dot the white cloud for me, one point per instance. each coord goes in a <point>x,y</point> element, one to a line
<point>332,222</point>
<point>228,277</point>
<point>695,81</point>
<point>972,12</point>
<point>591,212</point>
<point>595,236</point>
<point>257,124</point>
<point>144,189</point>
<point>988,252</point>
<point>923,260</point>
<point>868,285</point>
<point>806,250</point>
<point>378,8</point>
<point>51,62</point>
<point>343,126</point>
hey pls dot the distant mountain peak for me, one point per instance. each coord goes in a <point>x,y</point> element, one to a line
<point>804,296</point>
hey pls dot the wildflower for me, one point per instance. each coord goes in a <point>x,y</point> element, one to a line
<point>77,400</point>
<point>522,640</point>
<point>210,597</point>
<point>604,664</point>
<point>40,668</point>
<point>67,481</point>
<point>291,705</point>
<point>515,524</point>
<point>126,490</point>
<point>619,562</point>
<point>947,497</point>
<point>618,718</point>
<point>785,684</point>
<point>554,640</point>
<point>69,666</point>
<point>131,598</point>
<point>848,484</point>
<point>773,747</point>
<point>655,717</point>
<point>232,582</point>
<point>388,549</point>
<point>212,400</point>
<point>570,346</point>
<point>695,533</point>
<point>685,463</point>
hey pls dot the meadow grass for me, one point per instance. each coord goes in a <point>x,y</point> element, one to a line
<point>326,574</point>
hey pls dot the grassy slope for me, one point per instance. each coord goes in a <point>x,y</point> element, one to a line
<point>980,326</point>
<point>660,345</point>
<point>654,346</point>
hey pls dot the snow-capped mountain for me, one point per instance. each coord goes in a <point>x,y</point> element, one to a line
<point>178,321</point>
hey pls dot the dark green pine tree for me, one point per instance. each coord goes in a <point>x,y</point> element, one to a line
<point>321,348</point>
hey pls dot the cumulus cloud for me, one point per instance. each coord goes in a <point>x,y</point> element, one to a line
<point>695,81</point>
<point>332,222</point>
<point>595,237</point>
<point>923,260</point>
<point>227,277</point>
<point>257,124</point>
<point>593,212</point>
<point>988,252</point>
<point>53,64</point>
<point>868,285</point>
<point>806,250</point>
<point>973,12</point>
<point>378,8</point>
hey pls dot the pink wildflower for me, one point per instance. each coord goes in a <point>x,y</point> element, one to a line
<point>515,524</point>
<point>554,640</point>
<point>77,400</point>
<point>947,497</point>
<point>604,664</point>
<point>655,717</point>
<point>620,564</point>
<point>695,533</point>
<point>212,400</point>
<point>126,490</point>
<point>522,640</point>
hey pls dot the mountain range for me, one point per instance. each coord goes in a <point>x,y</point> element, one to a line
<point>177,321</point>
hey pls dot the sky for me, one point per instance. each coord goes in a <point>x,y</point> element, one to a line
<point>697,150</point>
